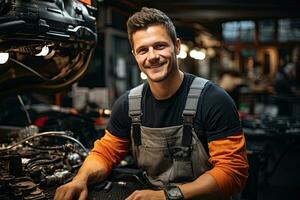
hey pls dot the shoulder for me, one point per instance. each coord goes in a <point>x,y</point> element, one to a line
<point>122,101</point>
<point>119,122</point>
<point>219,113</point>
<point>189,77</point>
<point>216,101</point>
<point>213,94</point>
<point>210,89</point>
<point>124,98</point>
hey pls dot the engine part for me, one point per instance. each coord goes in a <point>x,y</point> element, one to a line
<point>48,44</point>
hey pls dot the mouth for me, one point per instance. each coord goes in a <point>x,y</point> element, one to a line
<point>154,66</point>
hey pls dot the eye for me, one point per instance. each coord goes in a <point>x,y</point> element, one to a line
<point>141,51</point>
<point>160,46</point>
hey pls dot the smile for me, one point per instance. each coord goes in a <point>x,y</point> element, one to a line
<point>154,66</point>
<point>157,65</point>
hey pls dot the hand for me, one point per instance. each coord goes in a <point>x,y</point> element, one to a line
<point>147,195</point>
<point>76,188</point>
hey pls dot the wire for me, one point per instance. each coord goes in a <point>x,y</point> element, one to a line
<point>31,70</point>
<point>49,133</point>
<point>74,140</point>
<point>24,108</point>
<point>42,161</point>
<point>45,148</point>
<point>31,137</point>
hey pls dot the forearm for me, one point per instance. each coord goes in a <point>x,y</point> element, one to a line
<point>228,175</point>
<point>91,171</point>
<point>204,188</point>
<point>106,153</point>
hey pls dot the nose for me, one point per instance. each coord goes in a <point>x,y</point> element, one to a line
<point>152,55</point>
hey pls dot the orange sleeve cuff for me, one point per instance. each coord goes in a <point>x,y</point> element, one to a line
<point>88,2</point>
<point>221,178</point>
<point>109,151</point>
<point>230,165</point>
<point>101,161</point>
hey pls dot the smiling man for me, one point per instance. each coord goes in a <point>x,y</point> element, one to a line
<point>184,131</point>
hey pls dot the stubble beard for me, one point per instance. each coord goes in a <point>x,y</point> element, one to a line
<point>167,74</point>
<point>164,77</point>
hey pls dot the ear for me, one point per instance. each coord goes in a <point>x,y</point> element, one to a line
<point>132,52</point>
<point>177,45</point>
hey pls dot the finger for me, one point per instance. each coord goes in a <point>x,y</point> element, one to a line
<point>56,196</point>
<point>83,195</point>
<point>59,193</point>
<point>131,196</point>
<point>69,194</point>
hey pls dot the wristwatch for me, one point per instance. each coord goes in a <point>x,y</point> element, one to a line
<point>173,192</point>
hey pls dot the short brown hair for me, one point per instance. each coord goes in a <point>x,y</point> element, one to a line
<point>147,17</point>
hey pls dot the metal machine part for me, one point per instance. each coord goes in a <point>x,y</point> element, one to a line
<point>29,169</point>
<point>47,44</point>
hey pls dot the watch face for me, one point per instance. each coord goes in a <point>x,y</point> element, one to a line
<point>174,192</point>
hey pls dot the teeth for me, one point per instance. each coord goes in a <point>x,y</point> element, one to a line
<point>155,66</point>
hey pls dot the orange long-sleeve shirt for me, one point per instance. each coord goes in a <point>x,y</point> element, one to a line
<point>227,155</point>
<point>230,166</point>
<point>109,150</point>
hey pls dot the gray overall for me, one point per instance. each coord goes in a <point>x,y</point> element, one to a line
<point>169,155</point>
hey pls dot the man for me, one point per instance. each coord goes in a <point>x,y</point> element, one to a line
<point>287,78</point>
<point>232,82</point>
<point>167,131</point>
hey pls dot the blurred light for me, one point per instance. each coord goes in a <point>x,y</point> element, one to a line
<point>143,76</point>
<point>210,52</point>
<point>201,55</point>
<point>44,51</point>
<point>3,57</point>
<point>182,55</point>
<point>184,47</point>
<point>197,54</point>
<point>193,53</point>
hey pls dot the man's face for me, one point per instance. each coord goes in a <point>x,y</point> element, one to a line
<point>155,52</point>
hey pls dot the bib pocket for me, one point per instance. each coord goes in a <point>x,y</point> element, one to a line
<point>182,171</point>
<point>155,161</point>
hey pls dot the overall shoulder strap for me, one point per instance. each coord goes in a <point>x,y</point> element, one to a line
<point>190,109</point>
<point>135,112</point>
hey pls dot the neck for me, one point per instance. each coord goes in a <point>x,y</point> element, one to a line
<point>165,89</point>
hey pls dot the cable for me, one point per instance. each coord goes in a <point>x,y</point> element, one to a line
<point>49,133</point>
<point>74,140</point>
<point>42,161</point>
<point>45,148</point>
<point>31,70</point>
<point>24,108</point>
<point>31,137</point>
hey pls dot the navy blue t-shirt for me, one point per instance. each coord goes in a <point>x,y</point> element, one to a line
<point>216,115</point>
